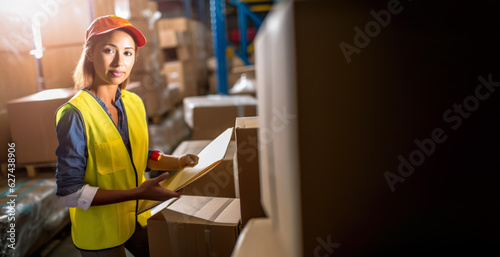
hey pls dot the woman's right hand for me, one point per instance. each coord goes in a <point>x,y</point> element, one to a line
<point>151,189</point>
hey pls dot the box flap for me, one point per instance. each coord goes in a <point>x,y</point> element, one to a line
<point>231,214</point>
<point>203,210</point>
<point>247,122</point>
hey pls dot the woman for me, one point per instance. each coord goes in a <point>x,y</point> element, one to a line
<point>103,146</point>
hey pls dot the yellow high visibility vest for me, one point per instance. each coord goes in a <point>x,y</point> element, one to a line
<point>109,166</point>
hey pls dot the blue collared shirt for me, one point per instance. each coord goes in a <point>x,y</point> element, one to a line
<point>72,150</point>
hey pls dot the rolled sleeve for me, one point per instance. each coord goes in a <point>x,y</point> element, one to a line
<point>82,198</point>
<point>71,152</point>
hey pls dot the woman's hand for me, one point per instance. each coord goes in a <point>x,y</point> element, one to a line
<point>151,189</point>
<point>187,160</point>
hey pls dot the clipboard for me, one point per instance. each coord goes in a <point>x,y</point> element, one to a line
<point>209,157</point>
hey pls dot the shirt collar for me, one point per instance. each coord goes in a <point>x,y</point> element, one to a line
<point>118,97</point>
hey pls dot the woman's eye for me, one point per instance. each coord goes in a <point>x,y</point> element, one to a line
<point>108,51</point>
<point>129,53</point>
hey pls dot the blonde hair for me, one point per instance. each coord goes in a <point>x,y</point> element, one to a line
<point>84,73</point>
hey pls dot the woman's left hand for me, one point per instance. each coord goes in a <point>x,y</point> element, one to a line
<point>151,189</point>
<point>187,160</point>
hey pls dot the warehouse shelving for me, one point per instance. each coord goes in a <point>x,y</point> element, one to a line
<point>254,10</point>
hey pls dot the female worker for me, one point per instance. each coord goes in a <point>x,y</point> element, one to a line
<point>103,146</point>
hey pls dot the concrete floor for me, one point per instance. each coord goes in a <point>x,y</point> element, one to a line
<point>64,247</point>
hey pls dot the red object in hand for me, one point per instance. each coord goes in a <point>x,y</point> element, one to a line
<point>155,155</point>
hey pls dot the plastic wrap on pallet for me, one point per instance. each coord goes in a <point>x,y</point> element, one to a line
<point>214,101</point>
<point>36,210</point>
<point>244,85</point>
<point>166,135</point>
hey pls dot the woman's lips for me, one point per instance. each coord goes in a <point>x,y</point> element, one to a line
<point>117,73</point>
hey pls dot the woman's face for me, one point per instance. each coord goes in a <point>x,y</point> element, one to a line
<point>113,57</point>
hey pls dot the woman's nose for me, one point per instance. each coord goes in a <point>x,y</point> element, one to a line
<point>118,61</point>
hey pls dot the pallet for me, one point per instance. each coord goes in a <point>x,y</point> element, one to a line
<point>32,169</point>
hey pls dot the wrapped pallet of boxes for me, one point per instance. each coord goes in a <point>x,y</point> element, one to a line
<point>247,166</point>
<point>195,226</point>
<point>32,126</point>
<point>30,218</point>
<point>219,182</point>
<point>181,72</point>
<point>208,116</point>
<point>174,93</point>
<point>155,96</point>
<point>149,56</point>
<point>188,43</point>
<point>168,133</point>
<point>169,38</point>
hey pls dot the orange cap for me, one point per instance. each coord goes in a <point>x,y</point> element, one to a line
<point>109,23</point>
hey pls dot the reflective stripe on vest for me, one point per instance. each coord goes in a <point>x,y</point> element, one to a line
<point>109,166</point>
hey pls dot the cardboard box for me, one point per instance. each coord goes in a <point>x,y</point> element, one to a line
<point>258,238</point>
<point>247,159</point>
<point>103,7</point>
<point>169,133</point>
<point>174,93</point>
<point>173,38</point>
<point>32,126</point>
<point>147,60</point>
<point>212,64</point>
<point>145,26</point>
<point>195,226</point>
<point>19,76</point>
<point>181,72</point>
<point>59,25</point>
<point>58,64</point>
<point>161,136</point>
<point>179,53</point>
<point>141,8</point>
<point>177,24</point>
<point>341,183</point>
<point>155,97</point>
<point>219,182</point>
<point>196,30</point>
<point>208,116</point>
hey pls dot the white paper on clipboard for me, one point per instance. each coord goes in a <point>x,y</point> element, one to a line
<point>209,157</point>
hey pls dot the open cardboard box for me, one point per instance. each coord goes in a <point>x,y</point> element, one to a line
<point>219,182</point>
<point>195,226</point>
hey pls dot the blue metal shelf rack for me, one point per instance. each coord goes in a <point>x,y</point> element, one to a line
<point>218,23</point>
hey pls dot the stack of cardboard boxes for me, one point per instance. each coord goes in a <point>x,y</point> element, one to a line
<point>210,115</point>
<point>207,219</point>
<point>147,81</point>
<point>62,37</point>
<point>183,46</point>
<point>32,124</point>
<point>236,68</point>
